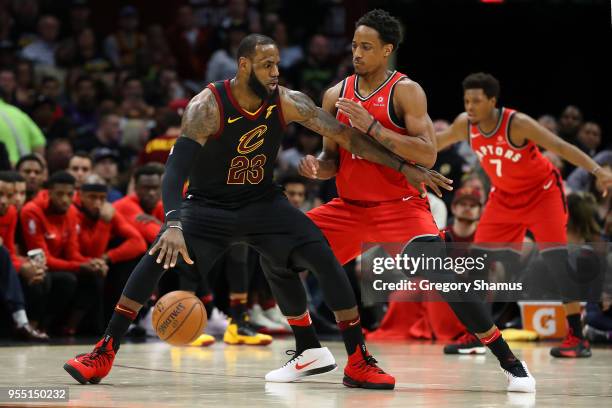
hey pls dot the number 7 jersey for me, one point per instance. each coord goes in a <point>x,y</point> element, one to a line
<point>510,168</point>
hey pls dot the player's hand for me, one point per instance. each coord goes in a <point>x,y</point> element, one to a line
<point>170,245</point>
<point>420,177</point>
<point>358,115</point>
<point>107,212</point>
<point>603,180</point>
<point>309,167</point>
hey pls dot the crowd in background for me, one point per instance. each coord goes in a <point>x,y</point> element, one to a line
<point>80,109</point>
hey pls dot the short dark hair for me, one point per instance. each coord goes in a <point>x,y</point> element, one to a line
<point>481,80</point>
<point>250,42</point>
<point>149,169</point>
<point>83,155</point>
<point>61,177</point>
<point>29,157</point>
<point>292,179</point>
<point>8,176</point>
<point>388,27</point>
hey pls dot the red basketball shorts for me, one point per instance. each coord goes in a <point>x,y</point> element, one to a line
<point>347,226</point>
<point>543,211</point>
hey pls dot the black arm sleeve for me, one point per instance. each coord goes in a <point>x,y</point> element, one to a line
<point>178,166</point>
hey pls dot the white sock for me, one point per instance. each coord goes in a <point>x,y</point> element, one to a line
<point>20,318</point>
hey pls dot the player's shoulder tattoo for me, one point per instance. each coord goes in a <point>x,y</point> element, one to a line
<point>201,118</point>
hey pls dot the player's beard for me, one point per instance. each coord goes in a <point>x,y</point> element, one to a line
<point>258,88</point>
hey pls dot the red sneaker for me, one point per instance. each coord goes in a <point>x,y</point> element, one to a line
<point>92,366</point>
<point>572,347</point>
<point>361,371</point>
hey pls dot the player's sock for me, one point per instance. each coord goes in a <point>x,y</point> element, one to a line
<point>207,300</point>
<point>352,335</point>
<point>305,336</point>
<point>119,323</point>
<point>238,308</point>
<point>575,325</point>
<point>508,361</point>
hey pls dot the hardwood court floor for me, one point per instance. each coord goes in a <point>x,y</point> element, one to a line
<point>156,375</point>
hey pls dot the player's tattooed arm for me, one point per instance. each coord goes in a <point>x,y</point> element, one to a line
<point>326,165</point>
<point>201,117</point>
<point>299,108</point>
<point>200,120</point>
<point>410,103</point>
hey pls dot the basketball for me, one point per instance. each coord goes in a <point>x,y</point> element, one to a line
<point>179,318</point>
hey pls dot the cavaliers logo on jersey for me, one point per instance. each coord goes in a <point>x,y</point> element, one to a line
<point>252,140</point>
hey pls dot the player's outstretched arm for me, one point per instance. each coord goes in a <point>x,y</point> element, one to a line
<point>456,132</point>
<point>411,103</point>
<point>299,108</point>
<point>200,120</point>
<point>524,128</point>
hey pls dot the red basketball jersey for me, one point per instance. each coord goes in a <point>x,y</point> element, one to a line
<point>357,178</point>
<point>510,168</point>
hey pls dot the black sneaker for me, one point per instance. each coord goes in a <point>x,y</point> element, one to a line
<point>466,344</point>
<point>572,347</point>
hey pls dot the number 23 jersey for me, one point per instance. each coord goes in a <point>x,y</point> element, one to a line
<point>236,165</point>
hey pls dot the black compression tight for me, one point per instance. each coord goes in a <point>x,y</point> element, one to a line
<point>318,258</point>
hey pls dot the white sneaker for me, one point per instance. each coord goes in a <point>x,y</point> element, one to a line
<point>258,317</point>
<point>311,362</point>
<point>520,384</point>
<point>217,323</point>
<point>277,316</point>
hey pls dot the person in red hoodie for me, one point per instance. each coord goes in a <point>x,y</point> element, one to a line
<point>49,222</point>
<point>144,209</point>
<point>12,265</point>
<point>100,223</point>
<point>100,227</point>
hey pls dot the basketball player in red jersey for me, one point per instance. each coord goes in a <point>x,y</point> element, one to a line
<point>375,204</point>
<point>527,190</point>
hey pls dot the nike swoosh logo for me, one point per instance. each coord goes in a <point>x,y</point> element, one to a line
<point>547,185</point>
<point>353,323</point>
<point>406,198</point>
<point>300,367</point>
<point>230,120</point>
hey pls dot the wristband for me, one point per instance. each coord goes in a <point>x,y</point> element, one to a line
<point>175,226</point>
<point>374,122</point>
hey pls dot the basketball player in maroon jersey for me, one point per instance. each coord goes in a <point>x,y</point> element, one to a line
<point>527,190</point>
<point>374,203</point>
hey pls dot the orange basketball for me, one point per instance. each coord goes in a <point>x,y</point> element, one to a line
<point>179,318</point>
